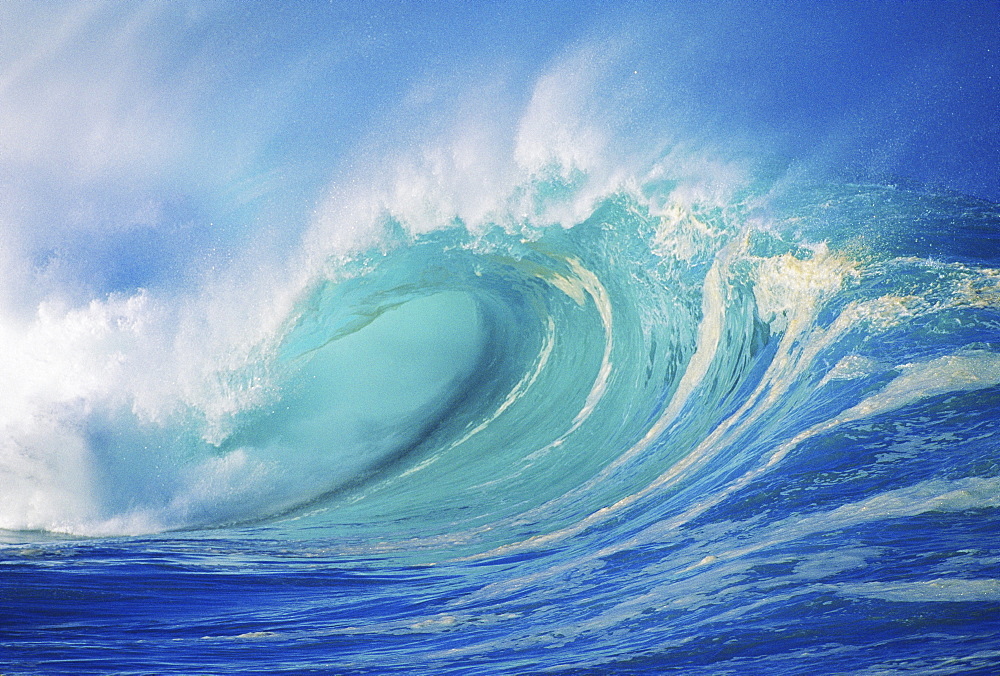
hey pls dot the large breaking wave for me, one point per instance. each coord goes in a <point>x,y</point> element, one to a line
<point>589,368</point>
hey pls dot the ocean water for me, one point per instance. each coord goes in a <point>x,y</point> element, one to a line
<point>507,339</point>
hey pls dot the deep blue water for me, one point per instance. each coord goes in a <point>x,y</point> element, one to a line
<point>500,340</point>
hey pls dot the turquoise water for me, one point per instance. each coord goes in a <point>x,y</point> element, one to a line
<point>544,396</point>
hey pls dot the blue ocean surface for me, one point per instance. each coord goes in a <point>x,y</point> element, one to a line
<point>499,338</point>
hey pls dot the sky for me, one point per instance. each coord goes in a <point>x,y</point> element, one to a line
<point>143,143</point>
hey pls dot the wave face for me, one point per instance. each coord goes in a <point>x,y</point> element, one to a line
<point>573,365</point>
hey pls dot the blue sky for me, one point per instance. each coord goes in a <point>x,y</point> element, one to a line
<point>140,140</point>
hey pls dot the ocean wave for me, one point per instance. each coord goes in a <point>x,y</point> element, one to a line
<point>664,349</point>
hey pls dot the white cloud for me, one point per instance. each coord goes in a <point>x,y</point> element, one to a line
<point>81,95</point>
